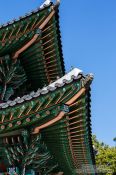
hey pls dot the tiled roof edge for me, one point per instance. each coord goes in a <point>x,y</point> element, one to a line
<point>66,79</point>
<point>42,7</point>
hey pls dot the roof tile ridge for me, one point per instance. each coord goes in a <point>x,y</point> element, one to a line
<point>60,82</point>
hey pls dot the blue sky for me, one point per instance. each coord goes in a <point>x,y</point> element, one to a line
<point>88,29</point>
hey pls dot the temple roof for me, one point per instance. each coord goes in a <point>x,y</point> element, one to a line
<point>66,79</point>
<point>41,106</point>
<point>61,113</point>
<point>35,40</point>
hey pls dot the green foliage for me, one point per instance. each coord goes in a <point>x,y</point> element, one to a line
<point>12,76</point>
<point>105,157</point>
<point>114,140</point>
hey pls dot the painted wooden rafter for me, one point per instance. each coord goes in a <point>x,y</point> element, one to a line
<point>49,60</point>
<point>20,113</point>
<point>26,27</point>
<point>73,140</point>
<point>11,115</point>
<point>4,36</point>
<point>47,28</point>
<point>18,31</point>
<point>76,110</point>
<point>66,96</point>
<point>48,47</point>
<point>61,114</point>
<point>17,53</point>
<point>75,160</point>
<point>56,119</point>
<point>48,41</point>
<point>72,100</point>
<point>76,103</point>
<point>32,27</point>
<point>9,37</point>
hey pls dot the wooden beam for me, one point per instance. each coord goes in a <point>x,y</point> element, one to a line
<point>72,100</point>
<point>50,40</point>
<point>75,117</point>
<point>47,28</point>
<point>77,110</point>
<point>76,103</point>
<point>25,47</point>
<point>47,20</point>
<point>56,119</point>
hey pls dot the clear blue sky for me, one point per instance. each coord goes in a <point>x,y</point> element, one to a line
<point>88,30</point>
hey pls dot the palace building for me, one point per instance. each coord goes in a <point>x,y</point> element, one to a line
<point>45,113</point>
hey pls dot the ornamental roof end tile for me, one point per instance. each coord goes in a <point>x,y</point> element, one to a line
<point>46,3</point>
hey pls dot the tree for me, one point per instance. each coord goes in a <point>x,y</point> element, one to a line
<point>105,158</point>
<point>114,141</point>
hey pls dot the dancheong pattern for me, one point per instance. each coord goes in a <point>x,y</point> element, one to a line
<point>45,113</point>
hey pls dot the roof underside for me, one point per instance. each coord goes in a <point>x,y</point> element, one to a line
<point>68,139</point>
<point>57,108</point>
<point>43,60</point>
